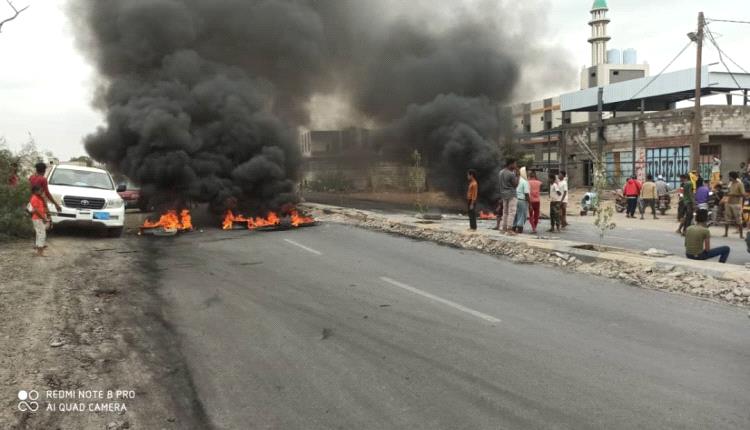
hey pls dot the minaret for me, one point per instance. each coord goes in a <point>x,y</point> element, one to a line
<point>599,36</point>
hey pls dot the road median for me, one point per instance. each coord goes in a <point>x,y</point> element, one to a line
<point>712,281</point>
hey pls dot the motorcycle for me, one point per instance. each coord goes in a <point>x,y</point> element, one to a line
<point>664,204</point>
<point>621,202</point>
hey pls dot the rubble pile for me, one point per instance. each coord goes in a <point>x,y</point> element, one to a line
<point>660,277</point>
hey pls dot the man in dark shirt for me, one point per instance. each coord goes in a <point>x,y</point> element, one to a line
<point>687,208</point>
<point>38,179</point>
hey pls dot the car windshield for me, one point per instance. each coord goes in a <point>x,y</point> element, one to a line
<point>81,178</point>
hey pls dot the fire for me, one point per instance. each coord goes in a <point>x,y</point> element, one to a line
<point>170,220</point>
<point>272,219</point>
<point>486,215</point>
<point>298,220</point>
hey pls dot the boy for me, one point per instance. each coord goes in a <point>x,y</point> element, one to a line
<point>555,203</point>
<point>471,198</point>
<point>39,218</point>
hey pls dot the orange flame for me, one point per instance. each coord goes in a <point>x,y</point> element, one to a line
<point>170,220</point>
<point>272,219</point>
<point>486,215</point>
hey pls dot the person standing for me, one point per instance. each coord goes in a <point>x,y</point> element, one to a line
<point>38,179</point>
<point>555,199</point>
<point>702,195</point>
<point>471,198</point>
<point>632,190</point>
<point>649,196</point>
<point>535,200</point>
<point>39,218</point>
<point>564,202</point>
<point>715,171</point>
<point>523,192</point>
<point>733,206</point>
<point>508,185</point>
<point>698,241</point>
<point>688,205</point>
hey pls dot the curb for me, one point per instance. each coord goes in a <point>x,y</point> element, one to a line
<point>580,250</point>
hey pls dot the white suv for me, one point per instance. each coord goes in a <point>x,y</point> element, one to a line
<point>87,195</point>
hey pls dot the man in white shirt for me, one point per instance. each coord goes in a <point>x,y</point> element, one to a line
<point>555,202</point>
<point>563,184</point>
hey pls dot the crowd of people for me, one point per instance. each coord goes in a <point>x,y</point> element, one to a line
<point>700,202</point>
<point>520,200</point>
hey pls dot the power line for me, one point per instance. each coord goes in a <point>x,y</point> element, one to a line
<point>722,52</point>
<point>721,57</point>
<point>648,84</point>
<point>727,20</point>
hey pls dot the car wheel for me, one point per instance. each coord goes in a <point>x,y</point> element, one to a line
<point>114,232</point>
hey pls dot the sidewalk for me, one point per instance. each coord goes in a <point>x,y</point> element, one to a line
<point>727,282</point>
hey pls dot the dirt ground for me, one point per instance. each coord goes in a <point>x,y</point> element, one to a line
<point>87,318</point>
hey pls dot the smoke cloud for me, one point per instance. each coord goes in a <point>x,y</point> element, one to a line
<point>203,97</point>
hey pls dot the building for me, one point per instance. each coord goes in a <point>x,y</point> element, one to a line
<point>321,143</point>
<point>642,132</point>
<point>657,139</point>
<point>537,125</point>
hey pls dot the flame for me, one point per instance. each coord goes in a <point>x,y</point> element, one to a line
<point>272,219</point>
<point>170,220</point>
<point>486,215</point>
<point>297,220</point>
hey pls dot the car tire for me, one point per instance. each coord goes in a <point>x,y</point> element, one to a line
<point>114,232</point>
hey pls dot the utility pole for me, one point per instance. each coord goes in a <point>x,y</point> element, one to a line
<point>600,123</point>
<point>695,147</point>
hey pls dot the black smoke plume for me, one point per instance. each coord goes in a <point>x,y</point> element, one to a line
<point>203,97</point>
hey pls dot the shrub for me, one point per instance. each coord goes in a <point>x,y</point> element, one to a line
<point>15,222</point>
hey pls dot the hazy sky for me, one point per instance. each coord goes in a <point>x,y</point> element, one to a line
<point>45,84</point>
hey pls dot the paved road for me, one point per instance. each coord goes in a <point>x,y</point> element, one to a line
<point>335,327</point>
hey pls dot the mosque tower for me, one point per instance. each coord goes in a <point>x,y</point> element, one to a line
<point>599,37</point>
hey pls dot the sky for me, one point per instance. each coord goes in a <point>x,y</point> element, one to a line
<point>46,84</point>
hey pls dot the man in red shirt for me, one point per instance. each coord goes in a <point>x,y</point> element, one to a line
<point>38,179</point>
<point>39,218</point>
<point>632,190</point>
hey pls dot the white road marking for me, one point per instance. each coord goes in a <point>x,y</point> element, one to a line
<point>299,245</point>
<point>433,297</point>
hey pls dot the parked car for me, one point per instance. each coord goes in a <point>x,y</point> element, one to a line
<point>131,195</point>
<point>88,196</point>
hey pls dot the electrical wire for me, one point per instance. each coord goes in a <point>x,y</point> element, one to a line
<point>722,52</point>
<point>727,20</point>
<point>648,84</point>
<point>721,57</point>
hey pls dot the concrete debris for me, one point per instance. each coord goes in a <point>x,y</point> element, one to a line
<point>653,252</point>
<point>660,275</point>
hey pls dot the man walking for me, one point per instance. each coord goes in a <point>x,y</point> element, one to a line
<point>535,200</point>
<point>698,241</point>
<point>522,195</point>
<point>632,190</point>
<point>687,207</point>
<point>733,207</point>
<point>471,198</point>
<point>564,202</point>
<point>555,199</point>
<point>649,196</point>
<point>508,185</point>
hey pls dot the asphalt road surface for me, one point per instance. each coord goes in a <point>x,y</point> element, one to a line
<point>335,327</point>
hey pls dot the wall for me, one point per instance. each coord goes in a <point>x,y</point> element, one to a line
<point>726,126</point>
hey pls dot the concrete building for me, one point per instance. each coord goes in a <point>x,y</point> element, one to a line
<point>322,143</point>
<point>656,140</point>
